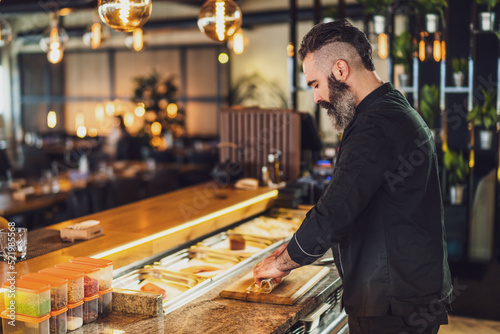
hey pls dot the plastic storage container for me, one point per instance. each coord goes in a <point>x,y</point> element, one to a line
<point>90,278</point>
<point>90,309</point>
<point>24,324</point>
<point>105,301</point>
<point>74,317</point>
<point>29,298</point>
<point>105,273</point>
<point>58,321</point>
<point>58,288</point>
<point>75,282</point>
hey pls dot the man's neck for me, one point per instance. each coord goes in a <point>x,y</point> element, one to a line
<point>364,83</point>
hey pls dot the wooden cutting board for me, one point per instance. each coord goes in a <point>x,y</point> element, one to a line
<point>293,286</point>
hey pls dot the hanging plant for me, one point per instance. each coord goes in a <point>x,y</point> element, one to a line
<point>403,49</point>
<point>375,6</point>
<point>429,104</point>
<point>456,166</point>
<point>485,114</point>
<point>158,96</point>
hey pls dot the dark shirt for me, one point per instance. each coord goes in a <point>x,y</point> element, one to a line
<point>382,213</point>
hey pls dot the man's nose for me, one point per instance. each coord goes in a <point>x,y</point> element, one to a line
<point>317,98</point>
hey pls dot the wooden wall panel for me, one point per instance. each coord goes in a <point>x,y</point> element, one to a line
<point>87,74</point>
<point>201,72</point>
<point>129,65</point>
<point>258,132</point>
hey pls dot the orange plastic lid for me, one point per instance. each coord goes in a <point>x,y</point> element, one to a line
<point>24,318</point>
<point>51,280</point>
<point>101,263</point>
<point>28,286</point>
<point>57,312</point>
<point>87,299</point>
<point>78,303</point>
<point>59,272</point>
<point>84,268</point>
<point>103,292</point>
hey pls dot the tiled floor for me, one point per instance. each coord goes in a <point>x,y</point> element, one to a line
<point>463,325</point>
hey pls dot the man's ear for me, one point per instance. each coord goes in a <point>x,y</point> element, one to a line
<point>340,70</point>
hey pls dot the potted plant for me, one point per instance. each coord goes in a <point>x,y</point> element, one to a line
<point>485,116</point>
<point>377,8</point>
<point>457,169</point>
<point>459,66</point>
<point>429,105</point>
<point>402,53</point>
<point>432,9</point>
<point>487,19</point>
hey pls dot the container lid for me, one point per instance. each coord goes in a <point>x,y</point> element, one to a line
<point>24,318</point>
<point>59,272</point>
<point>84,268</point>
<point>87,299</point>
<point>51,280</point>
<point>103,292</point>
<point>78,303</point>
<point>101,263</point>
<point>28,286</point>
<point>57,312</point>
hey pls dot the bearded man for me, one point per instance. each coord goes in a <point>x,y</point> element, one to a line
<point>382,213</point>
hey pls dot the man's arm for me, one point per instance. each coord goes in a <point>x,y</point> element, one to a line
<point>277,265</point>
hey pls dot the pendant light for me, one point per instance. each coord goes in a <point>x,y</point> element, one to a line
<point>5,32</point>
<point>219,19</point>
<point>136,40</point>
<point>125,15</point>
<point>53,40</point>
<point>95,34</point>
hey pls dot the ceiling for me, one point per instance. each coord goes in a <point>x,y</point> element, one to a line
<point>28,6</point>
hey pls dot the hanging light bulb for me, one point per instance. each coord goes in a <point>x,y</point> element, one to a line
<point>5,32</point>
<point>96,34</point>
<point>140,109</point>
<point>156,128</point>
<point>125,15</point>
<point>436,50</point>
<point>219,19</point>
<point>51,119</point>
<point>383,49</point>
<point>421,50</point>
<point>99,112</point>
<point>238,42</point>
<point>128,119</point>
<point>135,41</point>
<point>53,40</point>
<point>443,50</point>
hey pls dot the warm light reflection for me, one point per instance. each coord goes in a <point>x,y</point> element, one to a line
<point>81,131</point>
<point>443,50</point>
<point>290,50</point>
<point>382,46</point>
<point>99,112</point>
<point>421,50</point>
<point>93,132</point>
<point>140,110</point>
<point>172,110</point>
<point>95,38</point>
<point>79,120</point>
<point>189,224</point>
<point>156,141</point>
<point>436,50</point>
<point>471,159</point>
<point>156,128</point>
<point>223,58</point>
<point>110,108</point>
<point>137,40</point>
<point>51,119</point>
<point>238,42</point>
<point>55,55</point>
<point>128,119</point>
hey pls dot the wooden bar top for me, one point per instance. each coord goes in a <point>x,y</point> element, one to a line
<point>155,225</point>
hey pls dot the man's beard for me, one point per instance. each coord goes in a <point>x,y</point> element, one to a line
<point>342,104</point>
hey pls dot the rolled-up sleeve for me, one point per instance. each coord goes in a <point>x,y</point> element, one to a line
<point>366,155</point>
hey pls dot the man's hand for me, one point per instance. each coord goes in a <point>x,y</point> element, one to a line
<point>277,265</point>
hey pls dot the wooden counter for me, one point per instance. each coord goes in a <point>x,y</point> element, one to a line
<point>142,229</point>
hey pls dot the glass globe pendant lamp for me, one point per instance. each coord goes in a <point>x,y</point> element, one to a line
<point>53,40</point>
<point>125,15</point>
<point>5,32</point>
<point>219,19</point>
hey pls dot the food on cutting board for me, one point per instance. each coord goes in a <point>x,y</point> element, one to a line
<point>150,287</point>
<point>237,242</point>
<point>268,227</point>
<point>199,269</point>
